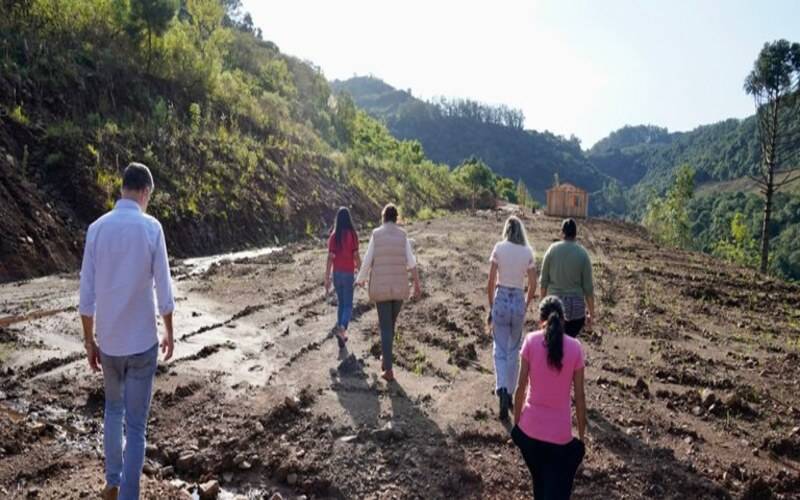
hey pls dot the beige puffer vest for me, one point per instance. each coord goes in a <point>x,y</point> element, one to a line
<point>388,278</point>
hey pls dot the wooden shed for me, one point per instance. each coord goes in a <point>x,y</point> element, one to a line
<point>566,200</point>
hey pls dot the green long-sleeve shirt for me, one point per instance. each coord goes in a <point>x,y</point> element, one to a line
<point>567,270</point>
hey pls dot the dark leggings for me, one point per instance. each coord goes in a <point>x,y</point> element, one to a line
<point>387,318</point>
<point>552,466</point>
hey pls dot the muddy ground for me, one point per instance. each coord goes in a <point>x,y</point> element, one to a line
<point>692,381</point>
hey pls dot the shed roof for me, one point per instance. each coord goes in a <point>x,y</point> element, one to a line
<point>566,187</point>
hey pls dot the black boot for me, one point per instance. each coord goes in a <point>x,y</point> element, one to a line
<point>502,395</point>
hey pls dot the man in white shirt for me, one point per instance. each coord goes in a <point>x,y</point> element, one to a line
<point>124,257</point>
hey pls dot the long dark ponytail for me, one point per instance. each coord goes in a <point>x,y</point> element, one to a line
<point>551,309</point>
<point>343,225</point>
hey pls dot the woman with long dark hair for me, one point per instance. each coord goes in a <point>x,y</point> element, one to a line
<point>343,260</point>
<point>511,261</point>
<point>552,364</point>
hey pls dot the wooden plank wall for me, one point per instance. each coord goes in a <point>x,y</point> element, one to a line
<point>563,203</point>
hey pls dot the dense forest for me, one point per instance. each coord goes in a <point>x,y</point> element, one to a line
<point>247,145</point>
<point>452,130</point>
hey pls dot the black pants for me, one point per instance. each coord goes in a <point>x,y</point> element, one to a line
<point>573,327</point>
<point>552,466</point>
<point>387,319</point>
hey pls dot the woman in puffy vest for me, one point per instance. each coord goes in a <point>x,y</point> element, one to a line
<point>387,262</point>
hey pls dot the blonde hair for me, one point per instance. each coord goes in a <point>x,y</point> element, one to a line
<point>514,231</point>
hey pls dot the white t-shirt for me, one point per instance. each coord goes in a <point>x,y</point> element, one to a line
<point>513,262</point>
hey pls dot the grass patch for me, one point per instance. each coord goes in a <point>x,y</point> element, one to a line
<point>5,352</point>
<point>420,363</point>
<point>427,213</point>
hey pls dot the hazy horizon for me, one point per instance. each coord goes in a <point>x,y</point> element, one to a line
<point>582,68</point>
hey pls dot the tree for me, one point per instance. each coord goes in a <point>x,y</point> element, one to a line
<point>507,190</point>
<point>667,218</point>
<point>741,248</point>
<point>786,259</point>
<point>522,193</point>
<point>774,83</point>
<point>152,16</point>
<point>206,16</point>
<point>524,198</point>
<point>478,178</point>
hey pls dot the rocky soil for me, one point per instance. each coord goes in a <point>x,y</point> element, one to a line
<point>692,381</point>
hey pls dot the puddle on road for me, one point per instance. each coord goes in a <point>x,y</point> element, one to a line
<point>199,265</point>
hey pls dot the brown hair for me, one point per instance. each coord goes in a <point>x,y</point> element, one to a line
<point>137,177</point>
<point>389,213</point>
<point>569,228</point>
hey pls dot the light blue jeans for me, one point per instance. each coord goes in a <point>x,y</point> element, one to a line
<point>508,318</point>
<point>343,284</point>
<point>128,390</point>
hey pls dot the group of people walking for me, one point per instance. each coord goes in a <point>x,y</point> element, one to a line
<point>540,370</point>
<point>125,257</point>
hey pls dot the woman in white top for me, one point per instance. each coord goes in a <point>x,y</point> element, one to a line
<point>512,258</point>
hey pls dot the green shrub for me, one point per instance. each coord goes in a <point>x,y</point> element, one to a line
<point>427,213</point>
<point>17,114</point>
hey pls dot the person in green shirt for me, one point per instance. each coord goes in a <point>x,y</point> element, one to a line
<point>567,273</point>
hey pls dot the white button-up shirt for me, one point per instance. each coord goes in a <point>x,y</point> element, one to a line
<point>125,254</point>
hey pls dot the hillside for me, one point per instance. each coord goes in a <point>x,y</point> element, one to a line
<point>741,185</point>
<point>453,130</point>
<point>645,156</point>
<point>643,160</point>
<point>691,381</point>
<point>247,145</point>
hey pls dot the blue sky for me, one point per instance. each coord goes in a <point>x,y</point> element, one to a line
<point>574,67</point>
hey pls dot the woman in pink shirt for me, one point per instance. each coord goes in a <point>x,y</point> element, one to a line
<point>551,363</point>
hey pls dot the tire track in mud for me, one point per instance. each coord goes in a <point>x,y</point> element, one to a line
<point>297,317</point>
<point>205,352</point>
<point>247,311</point>
<point>10,320</point>
<point>358,310</point>
<point>51,364</point>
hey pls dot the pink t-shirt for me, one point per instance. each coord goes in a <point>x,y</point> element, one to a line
<point>546,415</point>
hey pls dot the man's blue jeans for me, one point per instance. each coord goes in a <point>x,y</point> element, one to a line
<point>343,284</point>
<point>128,390</point>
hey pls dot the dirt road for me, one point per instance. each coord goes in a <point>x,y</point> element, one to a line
<point>692,381</point>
